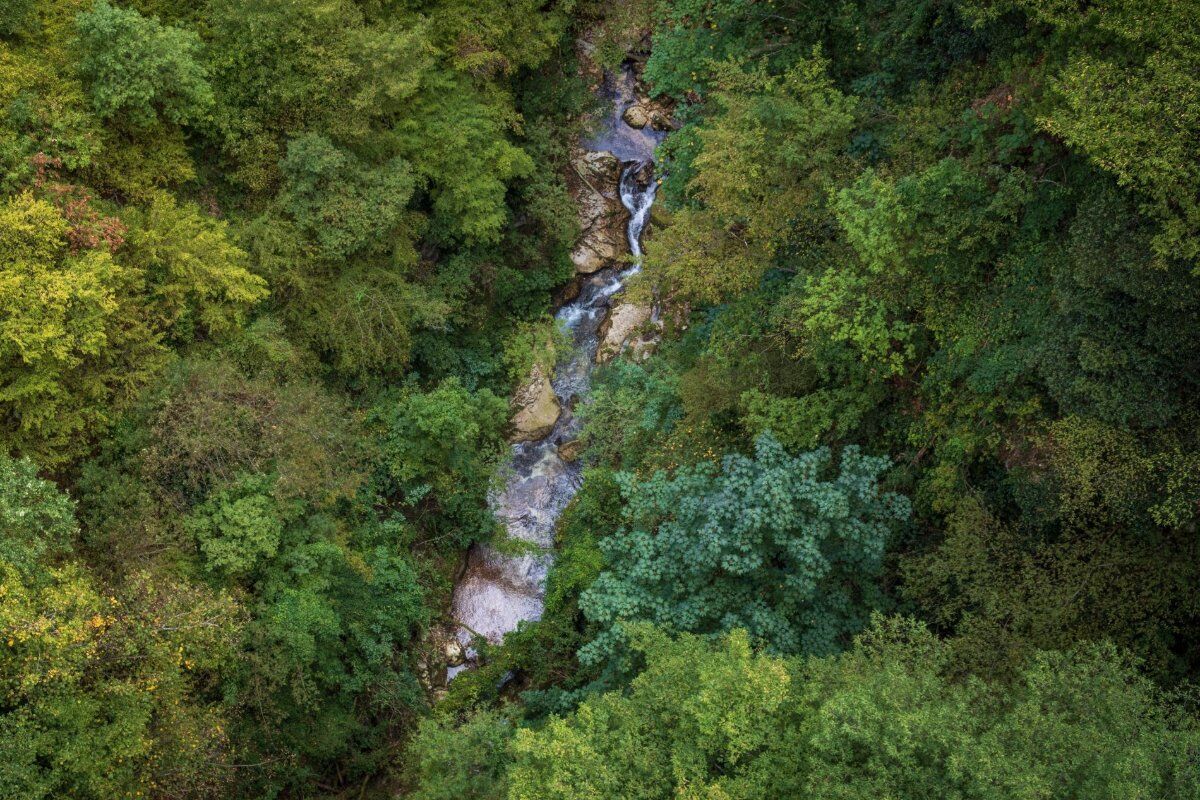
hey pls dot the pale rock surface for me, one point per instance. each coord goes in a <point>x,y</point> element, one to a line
<point>594,181</point>
<point>636,117</point>
<point>537,409</point>
<point>624,321</point>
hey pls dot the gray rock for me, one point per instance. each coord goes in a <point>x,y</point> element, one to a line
<point>637,117</point>
<point>537,409</point>
<point>624,321</point>
<point>594,181</point>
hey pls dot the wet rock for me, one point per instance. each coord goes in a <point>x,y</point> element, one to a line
<point>537,409</point>
<point>594,181</point>
<point>659,112</point>
<point>501,587</point>
<point>569,451</point>
<point>644,174</point>
<point>660,121</point>
<point>637,117</point>
<point>493,606</point>
<point>624,321</point>
<point>568,292</point>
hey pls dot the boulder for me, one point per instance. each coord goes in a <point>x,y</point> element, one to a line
<point>637,117</point>
<point>623,322</point>
<point>660,121</point>
<point>594,181</point>
<point>454,654</point>
<point>569,451</point>
<point>645,174</point>
<point>568,292</point>
<point>536,407</point>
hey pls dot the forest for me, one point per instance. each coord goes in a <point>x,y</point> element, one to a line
<point>888,489</point>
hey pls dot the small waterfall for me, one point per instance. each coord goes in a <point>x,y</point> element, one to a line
<point>500,590</point>
<point>637,200</point>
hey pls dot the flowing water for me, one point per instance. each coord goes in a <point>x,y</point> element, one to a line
<point>501,588</point>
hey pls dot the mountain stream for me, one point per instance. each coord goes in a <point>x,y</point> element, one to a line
<point>498,590</point>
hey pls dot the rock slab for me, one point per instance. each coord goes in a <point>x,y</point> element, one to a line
<point>537,409</point>
<point>624,322</point>
<point>594,181</point>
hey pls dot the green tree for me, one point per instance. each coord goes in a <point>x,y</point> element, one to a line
<point>214,423</point>
<point>281,68</point>
<point>786,547</point>
<point>15,17</point>
<point>763,166</point>
<point>346,206</point>
<point>103,694</point>
<point>439,451</point>
<point>1124,92</point>
<point>498,37</point>
<point>717,719</point>
<point>141,71</point>
<point>99,690</point>
<point>69,349</point>
<point>237,528</point>
<point>37,521</point>
<point>196,279</point>
<point>366,319</point>
<point>466,761</point>
<point>456,137</point>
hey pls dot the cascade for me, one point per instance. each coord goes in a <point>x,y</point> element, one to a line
<point>498,590</point>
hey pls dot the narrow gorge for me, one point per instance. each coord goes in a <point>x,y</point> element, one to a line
<point>614,184</point>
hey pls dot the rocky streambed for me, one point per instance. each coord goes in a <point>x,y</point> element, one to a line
<point>612,180</point>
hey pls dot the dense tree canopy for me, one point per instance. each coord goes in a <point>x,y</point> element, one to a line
<point>718,719</point>
<point>960,234</point>
<point>784,547</point>
<point>139,71</point>
<point>260,268</point>
<point>924,277</point>
<point>99,691</point>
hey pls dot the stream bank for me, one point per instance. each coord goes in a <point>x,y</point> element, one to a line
<point>614,185</point>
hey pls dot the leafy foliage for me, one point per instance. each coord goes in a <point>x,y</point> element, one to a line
<point>140,71</point>
<point>760,169</point>
<point>64,347</point>
<point>198,280</point>
<point>770,544</point>
<point>439,451</point>
<point>38,521</point>
<point>339,201</point>
<point>721,719</point>
<point>467,761</point>
<point>100,690</point>
<point>269,268</point>
<point>928,229</point>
